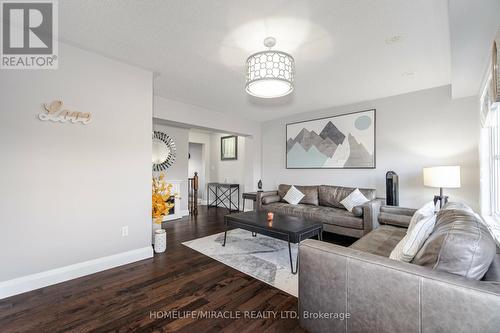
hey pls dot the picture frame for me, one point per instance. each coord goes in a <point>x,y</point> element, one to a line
<point>345,141</point>
<point>229,148</point>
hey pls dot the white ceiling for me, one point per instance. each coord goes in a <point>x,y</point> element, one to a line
<point>198,47</point>
<point>473,26</point>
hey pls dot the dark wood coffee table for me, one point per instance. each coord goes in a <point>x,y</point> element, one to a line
<point>288,228</point>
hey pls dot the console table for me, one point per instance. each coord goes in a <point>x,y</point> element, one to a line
<point>221,195</point>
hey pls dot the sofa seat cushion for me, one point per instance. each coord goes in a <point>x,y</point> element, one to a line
<point>380,241</point>
<point>310,193</point>
<point>337,216</point>
<point>329,215</point>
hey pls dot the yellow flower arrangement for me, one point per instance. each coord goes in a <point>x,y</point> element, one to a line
<point>162,192</point>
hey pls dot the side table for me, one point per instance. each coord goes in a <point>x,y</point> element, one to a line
<point>249,196</point>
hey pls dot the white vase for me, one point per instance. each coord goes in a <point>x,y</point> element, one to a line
<point>160,241</point>
<point>156,226</point>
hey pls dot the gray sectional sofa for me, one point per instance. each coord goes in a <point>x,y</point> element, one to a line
<point>452,285</point>
<point>322,203</point>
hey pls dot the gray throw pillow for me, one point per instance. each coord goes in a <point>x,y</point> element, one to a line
<point>357,211</point>
<point>459,244</point>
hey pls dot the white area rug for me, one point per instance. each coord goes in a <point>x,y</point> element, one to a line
<point>261,257</point>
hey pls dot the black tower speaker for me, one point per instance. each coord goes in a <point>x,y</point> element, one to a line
<point>392,188</point>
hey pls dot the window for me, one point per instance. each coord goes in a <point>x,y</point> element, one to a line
<point>490,147</point>
<point>494,162</point>
<point>489,151</point>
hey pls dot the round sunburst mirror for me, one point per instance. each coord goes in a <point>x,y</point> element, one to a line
<point>163,151</point>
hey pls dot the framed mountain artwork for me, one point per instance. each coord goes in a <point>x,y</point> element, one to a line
<point>341,142</point>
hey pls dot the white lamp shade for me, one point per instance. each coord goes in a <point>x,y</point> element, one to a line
<point>270,74</point>
<point>269,88</point>
<point>442,176</point>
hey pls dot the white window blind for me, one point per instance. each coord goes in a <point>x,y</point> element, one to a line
<point>494,159</point>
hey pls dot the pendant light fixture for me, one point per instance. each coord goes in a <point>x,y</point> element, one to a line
<point>270,73</point>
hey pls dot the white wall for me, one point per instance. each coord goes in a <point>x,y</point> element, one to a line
<point>234,171</point>
<point>414,130</point>
<point>192,116</point>
<point>197,164</point>
<point>473,25</point>
<point>197,116</point>
<point>228,171</point>
<point>239,171</point>
<point>179,170</point>
<point>203,138</point>
<point>67,189</point>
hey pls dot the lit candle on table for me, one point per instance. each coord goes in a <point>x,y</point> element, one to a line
<point>270,217</point>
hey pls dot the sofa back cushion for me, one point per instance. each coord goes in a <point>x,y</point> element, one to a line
<point>331,196</point>
<point>310,193</point>
<point>268,199</point>
<point>459,244</point>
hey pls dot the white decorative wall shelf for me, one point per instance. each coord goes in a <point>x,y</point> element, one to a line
<point>55,112</point>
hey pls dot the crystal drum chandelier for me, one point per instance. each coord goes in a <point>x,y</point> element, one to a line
<point>270,73</point>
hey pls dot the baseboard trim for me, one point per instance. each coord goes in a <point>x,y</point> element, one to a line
<point>43,279</point>
<point>184,212</point>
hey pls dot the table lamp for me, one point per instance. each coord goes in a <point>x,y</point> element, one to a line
<point>442,177</point>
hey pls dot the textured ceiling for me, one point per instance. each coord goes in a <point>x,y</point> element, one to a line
<point>343,49</point>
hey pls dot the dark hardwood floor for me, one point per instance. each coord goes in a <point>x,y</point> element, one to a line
<point>136,297</point>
